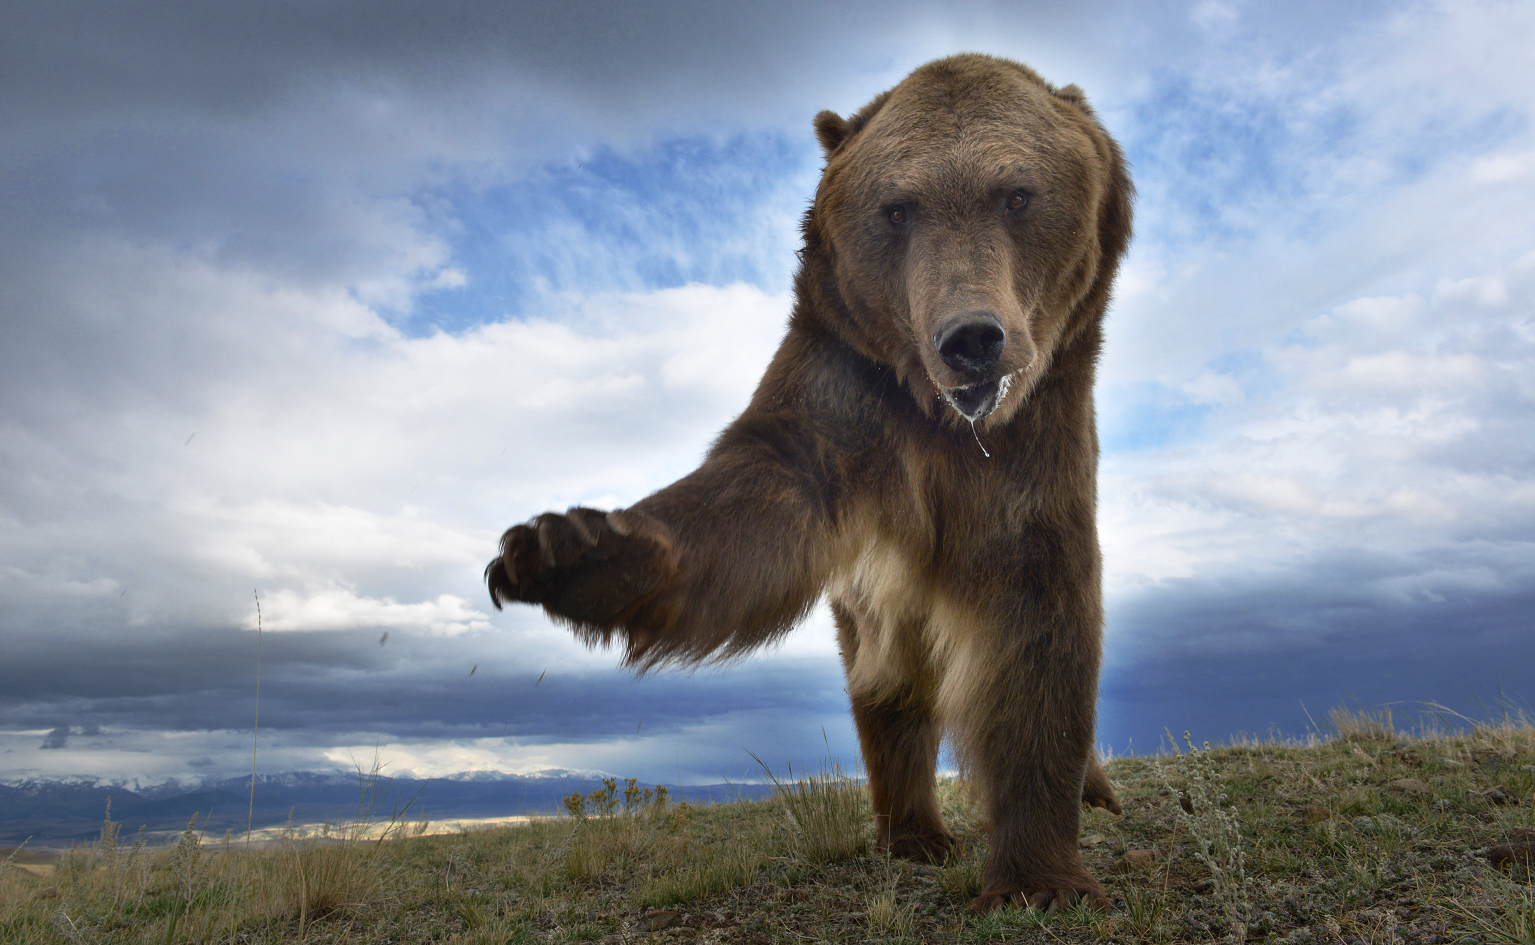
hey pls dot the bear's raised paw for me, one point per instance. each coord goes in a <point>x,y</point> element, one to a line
<point>595,569</point>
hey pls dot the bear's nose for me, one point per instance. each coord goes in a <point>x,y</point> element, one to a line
<point>972,343</point>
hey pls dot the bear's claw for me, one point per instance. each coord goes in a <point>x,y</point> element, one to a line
<point>923,848</point>
<point>1048,898</point>
<point>587,566</point>
<point>1109,803</point>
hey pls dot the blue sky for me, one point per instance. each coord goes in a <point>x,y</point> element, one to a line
<point>312,304</point>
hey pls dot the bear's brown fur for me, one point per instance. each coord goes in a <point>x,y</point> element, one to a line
<point>959,254</point>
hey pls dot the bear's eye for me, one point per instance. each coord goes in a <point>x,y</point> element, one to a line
<point>1017,200</point>
<point>896,215</point>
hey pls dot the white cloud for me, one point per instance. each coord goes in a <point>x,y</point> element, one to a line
<point>1398,370</point>
<point>1212,15</point>
<point>282,539</point>
<point>1375,300</point>
<point>288,439</point>
<point>1485,290</point>
<point>1213,388</point>
<point>1360,443</point>
<point>1383,314</point>
<point>1502,168</point>
<point>341,609</point>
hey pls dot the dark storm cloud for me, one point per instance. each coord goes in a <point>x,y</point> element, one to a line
<point>317,685</point>
<point>615,57</point>
<point>170,678</point>
<point>618,56</point>
<point>1255,653</point>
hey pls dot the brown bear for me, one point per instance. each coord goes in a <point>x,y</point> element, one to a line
<point>922,450</point>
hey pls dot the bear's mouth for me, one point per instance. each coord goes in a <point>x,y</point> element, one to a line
<point>977,400</point>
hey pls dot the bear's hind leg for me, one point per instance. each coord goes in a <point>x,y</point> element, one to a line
<point>1096,789</point>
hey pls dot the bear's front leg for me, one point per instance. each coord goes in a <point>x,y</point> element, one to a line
<point>900,741</point>
<point>725,559</point>
<point>899,734</point>
<point>595,570</point>
<point>1031,771</point>
<point>1026,717</point>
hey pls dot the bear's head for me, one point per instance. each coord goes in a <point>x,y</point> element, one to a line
<point>966,230</point>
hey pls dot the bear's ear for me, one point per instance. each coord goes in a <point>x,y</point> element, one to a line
<point>831,129</point>
<point>1074,95</point>
<point>1071,94</point>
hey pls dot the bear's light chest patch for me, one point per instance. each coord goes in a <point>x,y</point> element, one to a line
<point>890,603</point>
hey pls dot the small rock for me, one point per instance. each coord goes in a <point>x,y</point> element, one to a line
<point>1092,840</point>
<point>1410,758</point>
<point>1442,804</point>
<point>656,921</point>
<point>1314,814</point>
<point>1134,860</point>
<point>1409,786</point>
<point>1506,855</point>
<point>1497,795</point>
<point>1523,833</point>
<point>1451,763</point>
<point>1490,756</point>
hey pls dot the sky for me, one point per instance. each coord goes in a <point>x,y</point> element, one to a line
<point>302,304</point>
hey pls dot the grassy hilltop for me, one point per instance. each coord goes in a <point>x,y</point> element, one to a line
<point>1371,836</point>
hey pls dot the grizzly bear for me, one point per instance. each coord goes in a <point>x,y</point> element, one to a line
<point>922,450</point>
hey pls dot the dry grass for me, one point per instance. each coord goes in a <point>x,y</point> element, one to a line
<point>1361,725</point>
<point>1215,827</point>
<point>1328,853</point>
<point>828,813</point>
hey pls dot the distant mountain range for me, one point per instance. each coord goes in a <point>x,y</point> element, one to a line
<point>58,813</point>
